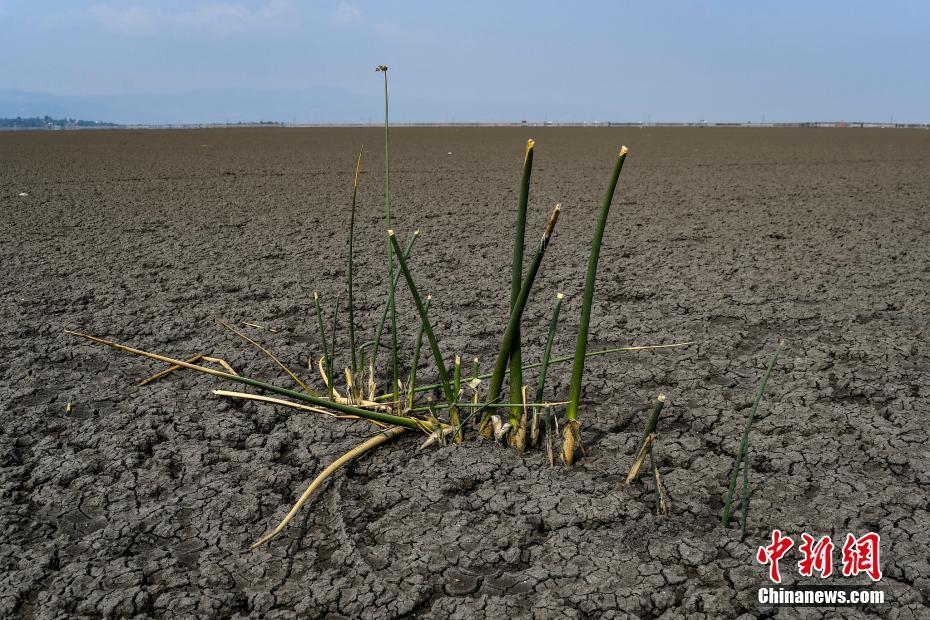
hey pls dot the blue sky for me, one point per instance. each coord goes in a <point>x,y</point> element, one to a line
<point>482,60</point>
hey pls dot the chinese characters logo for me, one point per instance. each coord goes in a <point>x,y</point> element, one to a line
<point>859,555</point>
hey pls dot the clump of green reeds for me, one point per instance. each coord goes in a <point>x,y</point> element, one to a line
<point>510,417</point>
<point>742,453</point>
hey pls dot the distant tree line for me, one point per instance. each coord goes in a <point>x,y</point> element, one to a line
<point>47,122</point>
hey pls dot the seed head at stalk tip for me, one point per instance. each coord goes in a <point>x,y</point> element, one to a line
<point>623,151</point>
<point>560,295</point>
<point>383,68</point>
<point>661,398</point>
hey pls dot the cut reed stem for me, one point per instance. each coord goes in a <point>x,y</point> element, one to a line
<point>640,457</point>
<point>744,442</point>
<point>653,418</point>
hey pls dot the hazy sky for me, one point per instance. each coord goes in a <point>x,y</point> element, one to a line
<point>726,60</point>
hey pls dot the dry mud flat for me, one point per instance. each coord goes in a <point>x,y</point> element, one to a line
<point>142,500</point>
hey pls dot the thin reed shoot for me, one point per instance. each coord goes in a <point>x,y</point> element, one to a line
<point>744,441</point>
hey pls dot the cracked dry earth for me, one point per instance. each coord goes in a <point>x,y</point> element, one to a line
<point>141,501</point>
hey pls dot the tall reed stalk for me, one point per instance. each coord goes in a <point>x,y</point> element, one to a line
<point>352,345</point>
<point>572,431</point>
<point>331,364</point>
<point>516,280</point>
<point>390,225</point>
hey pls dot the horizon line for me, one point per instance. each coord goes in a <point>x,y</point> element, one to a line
<point>104,125</point>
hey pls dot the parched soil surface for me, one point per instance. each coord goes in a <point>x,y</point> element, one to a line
<point>142,501</point>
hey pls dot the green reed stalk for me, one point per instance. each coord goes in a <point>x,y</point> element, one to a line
<point>744,500</point>
<point>503,356</point>
<point>362,365</point>
<point>581,343</point>
<point>516,355</point>
<point>390,224</point>
<point>424,318</point>
<point>331,362</point>
<point>416,355</point>
<point>457,390</point>
<point>550,338</point>
<point>358,165</point>
<point>744,442</point>
<point>384,311</point>
<point>406,422</point>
